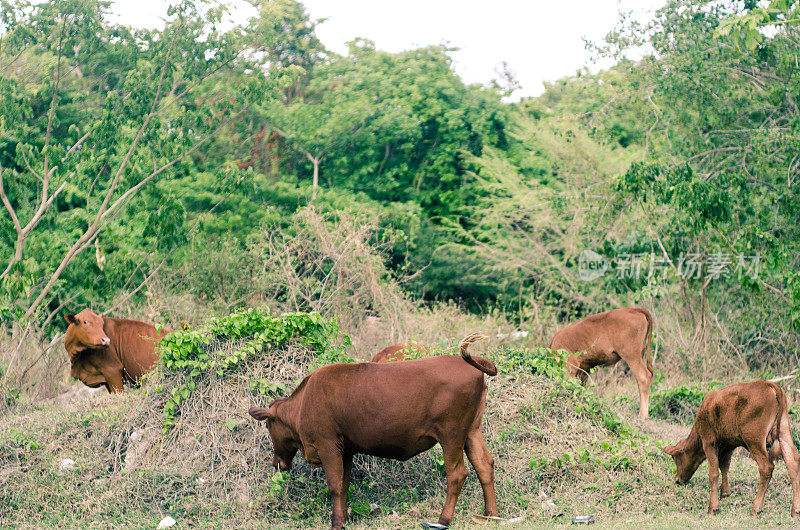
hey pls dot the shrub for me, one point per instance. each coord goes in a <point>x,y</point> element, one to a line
<point>680,403</point>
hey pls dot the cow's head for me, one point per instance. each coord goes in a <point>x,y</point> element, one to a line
<point>687,460</point>
<point>85,331</point>
<point>285,442</point>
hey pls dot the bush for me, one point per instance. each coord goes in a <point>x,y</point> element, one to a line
<point>680,403</point>
<point>193,355</point>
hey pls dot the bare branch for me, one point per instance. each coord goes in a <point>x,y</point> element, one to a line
<point>135,142</point>
<point>16,57</point>
<point>30,168</point>
<point>144,282</point>
<point>772,288</point>
<point>166,166</point>
<point>55,98</point>
<point>76,145</point>
<point>102,219</point>
<point>7,204</point>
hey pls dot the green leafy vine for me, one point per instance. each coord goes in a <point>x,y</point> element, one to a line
<point>188,352</point>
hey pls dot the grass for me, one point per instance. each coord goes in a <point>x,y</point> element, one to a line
<point>547,435</point>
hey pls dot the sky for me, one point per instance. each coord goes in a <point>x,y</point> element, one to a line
<point>541,40</point>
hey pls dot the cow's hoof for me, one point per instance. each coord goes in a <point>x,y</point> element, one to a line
<point>713,511</point>
<point>433,526</point>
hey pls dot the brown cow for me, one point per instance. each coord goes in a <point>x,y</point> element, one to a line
<point>397,352</point>
<point>108,351</point>
<point>391,410</point>
<point>744,415</point>
<point>607,337</point>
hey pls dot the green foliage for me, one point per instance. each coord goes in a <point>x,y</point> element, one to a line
<point>276,483</point>
<point>267,388</point>
<point>612,456</point>
<point>745,28</point>
<point>539,361</point>
<point>680,403</point>
<point>699,204</point>
<point>417,351</point>
<point>717,105</point>
<point>18,440</point>
<point>794,417</point>
<point>187,352</point>
<point>94,114</point>
<point>551,364</point>
<point>393,125</point>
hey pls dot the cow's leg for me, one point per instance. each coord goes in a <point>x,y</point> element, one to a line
<point>333,463</point>
<point>792,459</point>
<point>456,474</point>
<point>483,463</point>
<point>114,381</point>
<point>643,377</point>
<point>784,448</point>
<point>724,466</point>
<point>347,462</point>
<point>765,467</point>
<point>710,450</point>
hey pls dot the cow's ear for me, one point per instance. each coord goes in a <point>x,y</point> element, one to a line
<point>262,414</point>
<point>671,450</point>
<point>70,318</point>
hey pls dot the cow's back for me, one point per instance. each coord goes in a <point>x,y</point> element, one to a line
<point>134,342</point>
<point>609,330</point>
<point>728,410</point>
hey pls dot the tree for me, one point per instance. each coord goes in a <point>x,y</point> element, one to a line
<point>104,138</point>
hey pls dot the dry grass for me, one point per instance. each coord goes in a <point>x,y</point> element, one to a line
<point>32,367</point>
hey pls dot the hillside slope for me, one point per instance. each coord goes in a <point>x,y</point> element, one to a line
<point>551,439</point>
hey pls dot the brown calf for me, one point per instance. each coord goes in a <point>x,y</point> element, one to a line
<point>744,415</point>
<point>396,352</point>
<point>108,351</point>
<point>607,337</point>
<point>391,410</point>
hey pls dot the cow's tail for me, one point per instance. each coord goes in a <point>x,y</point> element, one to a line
<point>647,347</point>
<point>484,365</point>
<point>781,432</point>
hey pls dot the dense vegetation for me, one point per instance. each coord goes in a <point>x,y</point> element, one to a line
<point>125,153</point>
<point>297,207</point>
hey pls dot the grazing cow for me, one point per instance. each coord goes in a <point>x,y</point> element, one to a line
<point>396,352</point>
<point>607,337</point>
<point>108,351</point>
<point>391,410</point>
<point>744,415</point>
